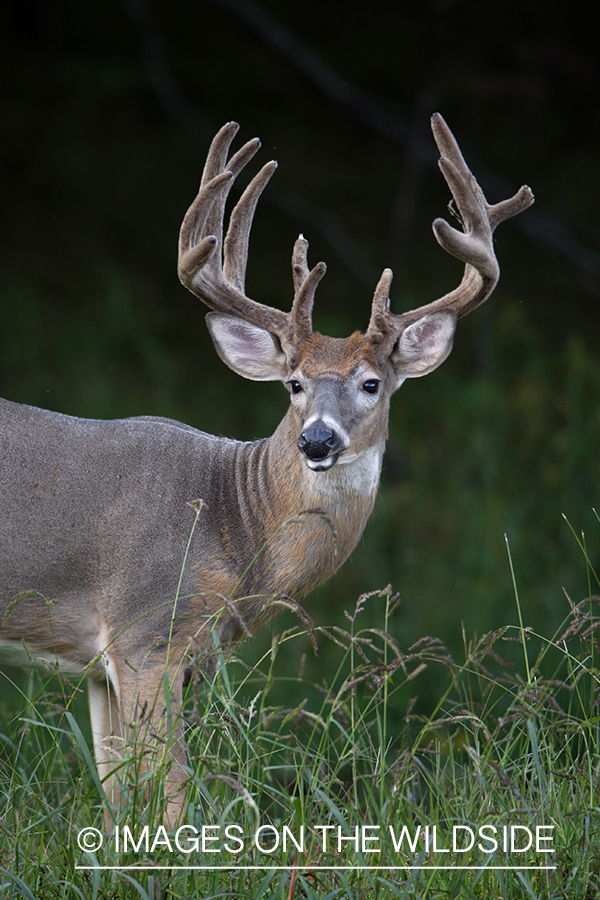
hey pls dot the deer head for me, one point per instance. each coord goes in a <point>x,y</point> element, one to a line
<point>339,389</point>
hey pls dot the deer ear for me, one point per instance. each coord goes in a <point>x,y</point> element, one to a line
<point>250,351</point>
<point>424,345</point>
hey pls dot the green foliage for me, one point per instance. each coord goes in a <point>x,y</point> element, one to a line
<point>316,794</point>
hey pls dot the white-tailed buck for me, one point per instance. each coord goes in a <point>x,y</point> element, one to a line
<point>96,516</point>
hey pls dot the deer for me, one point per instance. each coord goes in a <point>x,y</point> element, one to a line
<point>129,548</point>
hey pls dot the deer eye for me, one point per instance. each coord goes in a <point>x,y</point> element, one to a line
<point>295,387</point>
<point>371,386</point>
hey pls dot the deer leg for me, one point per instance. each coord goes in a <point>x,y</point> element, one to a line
<point>151,707</point>
<point>106,731</point>
<point>137,725</point>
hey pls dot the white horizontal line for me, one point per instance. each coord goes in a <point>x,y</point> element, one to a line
<point>307,868</point>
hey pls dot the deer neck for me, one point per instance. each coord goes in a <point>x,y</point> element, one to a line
<point>293,529</point>
<point>313,519</point>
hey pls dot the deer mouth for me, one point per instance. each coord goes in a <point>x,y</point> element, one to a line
<point>322,465</point>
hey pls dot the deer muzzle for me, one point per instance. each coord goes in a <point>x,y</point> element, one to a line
<point>321,445</point>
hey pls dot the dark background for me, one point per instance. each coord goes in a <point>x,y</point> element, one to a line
<point>107,111</point>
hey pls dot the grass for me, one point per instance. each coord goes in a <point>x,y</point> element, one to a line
<point>354,792</point>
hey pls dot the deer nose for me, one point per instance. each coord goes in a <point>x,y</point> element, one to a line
<point>319,442</point>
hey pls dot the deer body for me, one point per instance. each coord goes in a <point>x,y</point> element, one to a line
<point>101,530</point>
<point>108,565</point>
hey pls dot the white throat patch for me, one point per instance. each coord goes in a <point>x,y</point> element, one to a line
<point>359,472</point>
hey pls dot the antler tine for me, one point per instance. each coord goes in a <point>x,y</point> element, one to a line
<point>196,248</point>
<point>380,330</point>
<point>473,245</point>
<point>506,209</point>
<point>303,303</point>
<point>299,262</point>
<point>305,285</point>
<point>235,249</point>
<point>216,157</point>
<point>214,222</point>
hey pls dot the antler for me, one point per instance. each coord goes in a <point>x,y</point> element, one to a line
<point>218,279</point>
<point>474,246</point>
<point>220,283</point>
